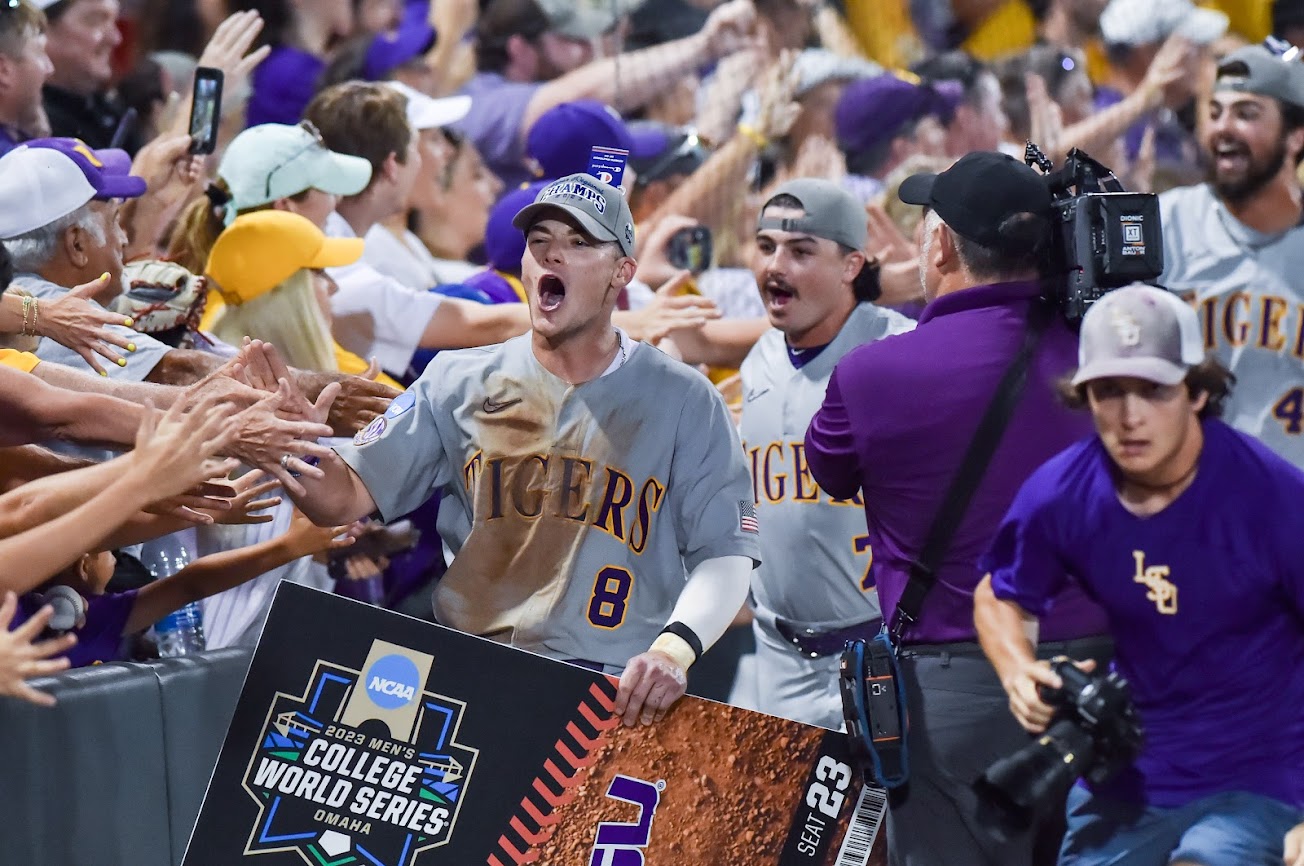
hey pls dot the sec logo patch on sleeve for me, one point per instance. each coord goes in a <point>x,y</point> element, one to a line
<point>371,432</point>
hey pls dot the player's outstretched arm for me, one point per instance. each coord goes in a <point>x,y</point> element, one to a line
<point>330,493</point>
<point>654,680</point>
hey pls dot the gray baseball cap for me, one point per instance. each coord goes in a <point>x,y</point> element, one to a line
<point>579,19</point>
<point>831,213</point>
<point>599,207</point>
<point>1255,69</point>
<point>1139,331</point>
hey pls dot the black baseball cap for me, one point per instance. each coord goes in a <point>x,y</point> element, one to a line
<point>979,192</point>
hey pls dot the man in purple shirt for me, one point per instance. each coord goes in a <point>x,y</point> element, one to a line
<point>1189,534</point>
<point>895,423</point>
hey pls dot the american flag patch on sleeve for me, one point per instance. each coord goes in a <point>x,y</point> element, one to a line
<point>747,517</point>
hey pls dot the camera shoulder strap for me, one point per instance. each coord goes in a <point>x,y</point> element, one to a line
<point>973,466</point>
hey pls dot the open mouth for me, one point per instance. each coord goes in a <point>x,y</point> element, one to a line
<point>1231,156</point>
<point>552,291</point>
<point>778,294</point>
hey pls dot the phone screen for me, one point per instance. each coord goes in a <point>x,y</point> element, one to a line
<point>204,113</point>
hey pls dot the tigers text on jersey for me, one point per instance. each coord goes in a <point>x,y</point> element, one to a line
<point>1245,287</point>
<point>575,512</point>
<point>815,548</point>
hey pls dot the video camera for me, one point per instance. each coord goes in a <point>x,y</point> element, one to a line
<point>1094,733</point>
<point>1104,237</point>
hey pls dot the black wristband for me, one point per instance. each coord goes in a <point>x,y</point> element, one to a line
<point>679,630</point>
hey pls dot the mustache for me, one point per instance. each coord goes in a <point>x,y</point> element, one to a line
<point>777,283</point>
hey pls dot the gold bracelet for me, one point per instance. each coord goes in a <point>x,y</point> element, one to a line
<point>753,135</point>
<point>36,316</point>
<point>27,314</point>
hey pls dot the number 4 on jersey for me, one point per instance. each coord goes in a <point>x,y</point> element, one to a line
<point>1289,410</point>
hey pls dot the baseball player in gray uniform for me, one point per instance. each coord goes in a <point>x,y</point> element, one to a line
<point>596,496</point>
<point>815,589</point>
<point>1234,247</point>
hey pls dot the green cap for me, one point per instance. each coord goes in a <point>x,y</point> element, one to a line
<point>831,213</point>
<point>272,161</point>
<point>600,209</point>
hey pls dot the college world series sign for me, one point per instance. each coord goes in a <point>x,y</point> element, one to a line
<point>367,738</point>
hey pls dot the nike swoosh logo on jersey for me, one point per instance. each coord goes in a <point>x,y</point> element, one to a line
<point>492,406</point>
<point>752,395</point>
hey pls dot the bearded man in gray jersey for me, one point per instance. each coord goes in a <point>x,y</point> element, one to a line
<point>1234,246</point>
<point>596,496</point>
<point>815,590</point>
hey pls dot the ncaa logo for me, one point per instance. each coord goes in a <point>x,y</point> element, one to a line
<point>392,682</point>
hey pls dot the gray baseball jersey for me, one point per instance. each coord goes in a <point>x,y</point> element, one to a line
<point>575,512</point>
<point>1245,287</point>
<point>815,549</point>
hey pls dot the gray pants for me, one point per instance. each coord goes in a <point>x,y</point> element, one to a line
<point>960,723</point>
<point>792,686</point>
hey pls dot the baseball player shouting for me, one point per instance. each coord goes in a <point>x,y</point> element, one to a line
<point>815,590</point>
<point>596,495</point>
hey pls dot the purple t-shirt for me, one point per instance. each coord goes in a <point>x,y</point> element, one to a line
<point>283,85</point>
<point>494,124</point>
<point>896,420</point>
<point>1205,601</point>
<point>100,640</point>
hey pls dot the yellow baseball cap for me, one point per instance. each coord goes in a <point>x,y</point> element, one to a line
<point>261,250</point>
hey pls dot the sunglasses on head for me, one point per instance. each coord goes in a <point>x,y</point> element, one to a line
<point>316,141</point>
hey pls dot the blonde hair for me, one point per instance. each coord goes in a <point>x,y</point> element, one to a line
<point>289,318</point>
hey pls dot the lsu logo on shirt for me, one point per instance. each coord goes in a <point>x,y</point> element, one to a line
<point>1159,589</point>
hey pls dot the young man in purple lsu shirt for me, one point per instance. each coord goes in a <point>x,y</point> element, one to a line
<point>1190,535</point>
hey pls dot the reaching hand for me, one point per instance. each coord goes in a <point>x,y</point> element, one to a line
<point>1172,73</point>
<point>778,111</point>
<point>654,266</point>
<point>819,156</point>
<point>305,538</point>
<point>75,320</point>
<point>886,242</point>
<point>650,685</point>
<point>1045,120</point>
<point>731,27</point>
<point>172,448</point>
<point>244,507</point>
<point>228,51</point>
<point>21,659</point>
<point>263,437</point>
<point>670,311</point>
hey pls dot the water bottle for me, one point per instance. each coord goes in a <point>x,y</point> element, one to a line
<point>182,631</point>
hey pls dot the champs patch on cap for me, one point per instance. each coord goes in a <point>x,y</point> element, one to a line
<point>572,188</point>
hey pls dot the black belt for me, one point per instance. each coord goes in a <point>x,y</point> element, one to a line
<point>814,644</point>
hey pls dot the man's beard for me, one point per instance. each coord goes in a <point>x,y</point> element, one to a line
<point>1258,174</point>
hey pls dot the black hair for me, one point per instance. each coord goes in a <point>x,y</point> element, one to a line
<point>6,269</point>
<point>1292,118</point>
<point>953,66</point>
<point>1210,377</point>
<point>866,286</point>
<point>500,20</point>
<point>1024,242</point>
<point>867,162</point>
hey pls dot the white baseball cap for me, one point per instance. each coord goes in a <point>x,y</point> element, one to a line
<point>1141,22</point>
<point>426,112</point>
<point>272,160</point>
<point>42,4</point>
<point>1139,331</point>
<point>49,178</point>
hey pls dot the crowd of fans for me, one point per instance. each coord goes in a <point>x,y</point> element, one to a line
<point>185,334</point>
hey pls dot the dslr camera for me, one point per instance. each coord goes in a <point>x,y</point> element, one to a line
<point>1094,733</point>
<point>1103,237</point>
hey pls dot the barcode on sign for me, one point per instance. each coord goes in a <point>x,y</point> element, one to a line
<point>747,516</point>
<point>865,821</point>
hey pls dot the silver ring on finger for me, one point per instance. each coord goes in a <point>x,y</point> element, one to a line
<point>285,462</point>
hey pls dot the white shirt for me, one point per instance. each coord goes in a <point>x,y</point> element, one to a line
<point>375,314</point>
